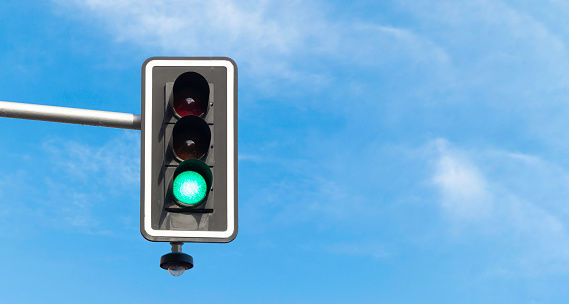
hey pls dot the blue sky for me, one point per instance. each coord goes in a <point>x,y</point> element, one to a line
<point>389,151</point>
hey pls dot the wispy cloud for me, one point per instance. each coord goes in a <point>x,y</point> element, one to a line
<point>89,179</point>
<point>509,195</point>
<point>463,189</point>
<point>68,207</point>
<point>289,40</point>
<point>116,163</point>
<point>191,26</point>
<point>501,46</point>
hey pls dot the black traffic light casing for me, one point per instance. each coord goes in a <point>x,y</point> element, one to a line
<point>189,124</point>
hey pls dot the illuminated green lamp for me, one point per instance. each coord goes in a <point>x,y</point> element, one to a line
<point>189,188</point>
<point>191,183</point>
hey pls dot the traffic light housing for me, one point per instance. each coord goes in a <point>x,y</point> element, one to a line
<point>189,149</point>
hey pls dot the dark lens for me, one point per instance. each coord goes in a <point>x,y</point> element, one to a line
<point>191,138</point>
<point>190,144</point>
<point>190,101</point>
<point>191,94</point>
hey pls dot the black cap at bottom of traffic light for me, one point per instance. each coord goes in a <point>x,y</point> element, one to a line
<point>176,262</point>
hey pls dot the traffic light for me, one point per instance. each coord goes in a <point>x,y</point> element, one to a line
<point>189,149</point>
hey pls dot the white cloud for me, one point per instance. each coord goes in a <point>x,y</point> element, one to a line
<point>37,202</point>
<point>116,163</point>
<point>510,193</point>
<point>498,45</point>
<point>372,44</point>
<point>463,188</point>
<point>65,207</point>
<point>283,39</point>
<point>90,179</point>
<point>195,26</point>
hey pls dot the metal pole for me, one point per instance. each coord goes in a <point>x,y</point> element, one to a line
<point>176,246</point>
<point>70,115</point>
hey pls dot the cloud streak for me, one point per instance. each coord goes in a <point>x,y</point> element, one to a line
<point>489,194</point>
<point>83,198</point>
<point>464,191</point>
<point>283,39</point>
<point>117,161</point>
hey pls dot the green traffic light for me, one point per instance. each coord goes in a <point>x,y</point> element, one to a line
<point>189,188</point>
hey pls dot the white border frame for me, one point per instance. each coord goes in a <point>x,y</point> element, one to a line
<point>147,121</point>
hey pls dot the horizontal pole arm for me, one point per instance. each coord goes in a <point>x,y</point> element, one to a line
<point>70,115</point>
